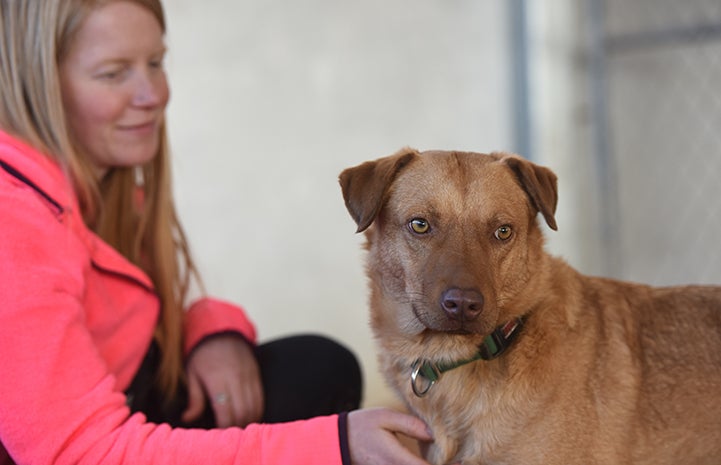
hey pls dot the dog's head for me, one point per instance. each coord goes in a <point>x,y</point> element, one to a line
<point>453,239</point>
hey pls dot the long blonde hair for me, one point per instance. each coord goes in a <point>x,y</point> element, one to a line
<point>35,35</point>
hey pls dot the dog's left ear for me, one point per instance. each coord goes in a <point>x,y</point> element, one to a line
<point>365,186</point>
<point>540,184</point>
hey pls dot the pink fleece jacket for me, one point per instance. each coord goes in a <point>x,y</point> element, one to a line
<point>76,319</point>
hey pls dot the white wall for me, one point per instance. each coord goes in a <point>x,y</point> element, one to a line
<point>563,128</point>
<point>272,99</point>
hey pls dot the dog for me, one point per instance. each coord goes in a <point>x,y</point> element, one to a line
<point>509,354</point>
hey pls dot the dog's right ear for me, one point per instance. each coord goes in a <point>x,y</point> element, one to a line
<point>365,186</point>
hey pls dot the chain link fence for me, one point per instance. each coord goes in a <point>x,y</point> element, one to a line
<point>658,69</point>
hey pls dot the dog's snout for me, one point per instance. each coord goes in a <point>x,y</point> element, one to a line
<point>462,304</point>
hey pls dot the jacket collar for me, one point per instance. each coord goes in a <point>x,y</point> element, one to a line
<point>46,177</point>
<point>41,169</point>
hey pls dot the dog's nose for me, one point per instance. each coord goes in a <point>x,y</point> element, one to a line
<point>462,304</point>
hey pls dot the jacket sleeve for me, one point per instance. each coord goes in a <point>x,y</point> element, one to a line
<point>59,402</point>
<point>209,316</point>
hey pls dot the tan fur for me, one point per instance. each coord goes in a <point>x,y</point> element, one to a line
<point>603,372</point>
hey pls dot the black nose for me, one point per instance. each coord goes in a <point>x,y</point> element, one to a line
<point>462,304</point>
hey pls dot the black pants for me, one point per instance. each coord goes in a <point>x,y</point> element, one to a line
<point>303,377</point>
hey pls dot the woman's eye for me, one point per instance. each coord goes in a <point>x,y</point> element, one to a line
<point>419,226</point>
<point>504,233</point>
<point>111,74</point>
<point>157,64</point>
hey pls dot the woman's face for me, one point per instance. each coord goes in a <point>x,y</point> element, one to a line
<point>114,86</point>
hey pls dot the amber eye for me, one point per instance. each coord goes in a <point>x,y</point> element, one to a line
<point>504,233</point>
<point>419,226</point>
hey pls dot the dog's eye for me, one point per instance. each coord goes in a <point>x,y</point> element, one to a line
<point>503,233</point>
<point>419,226</point>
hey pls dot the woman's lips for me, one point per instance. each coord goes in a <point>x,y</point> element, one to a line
<point>139,129</point>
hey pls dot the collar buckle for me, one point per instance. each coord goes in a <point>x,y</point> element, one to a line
<point>499,340</point>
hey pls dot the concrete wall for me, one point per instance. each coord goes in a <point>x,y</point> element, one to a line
<point>563,127</point>
<point>272,99</point>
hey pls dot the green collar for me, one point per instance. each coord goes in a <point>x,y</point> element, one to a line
<point>425,373</point>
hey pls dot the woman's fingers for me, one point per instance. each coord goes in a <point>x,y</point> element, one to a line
<point>372,437</point>
<point>196,400</point>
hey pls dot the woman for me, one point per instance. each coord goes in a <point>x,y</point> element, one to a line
<point>96,270</point>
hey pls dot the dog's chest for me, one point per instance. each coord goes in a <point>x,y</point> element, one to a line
<point>472,423</point>
<point>471,438</point>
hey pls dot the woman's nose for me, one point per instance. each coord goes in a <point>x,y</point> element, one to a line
<point>151,89</point>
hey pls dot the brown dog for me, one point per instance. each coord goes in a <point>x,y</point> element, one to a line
<point>509,354</point>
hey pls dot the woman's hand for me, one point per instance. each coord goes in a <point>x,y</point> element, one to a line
<point>224,370</point>
<point>372,437</point>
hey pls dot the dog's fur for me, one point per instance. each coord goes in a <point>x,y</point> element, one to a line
<point>603,371</point>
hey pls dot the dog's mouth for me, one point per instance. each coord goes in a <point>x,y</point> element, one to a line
<point>436,322</point>
<point>459,332</point>
<point>452,332</point>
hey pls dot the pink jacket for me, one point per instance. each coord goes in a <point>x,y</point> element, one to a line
<point>75,321</point>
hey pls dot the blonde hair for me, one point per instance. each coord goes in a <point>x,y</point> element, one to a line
<point>35,35</point>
